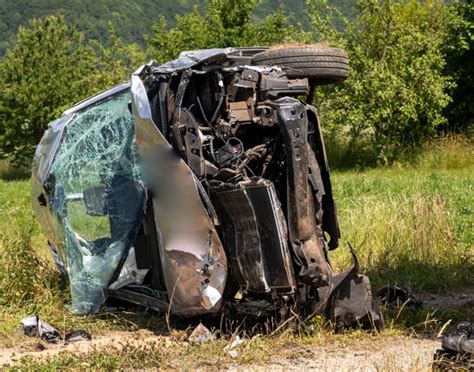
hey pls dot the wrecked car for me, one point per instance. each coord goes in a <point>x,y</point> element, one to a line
<point>201,187</point>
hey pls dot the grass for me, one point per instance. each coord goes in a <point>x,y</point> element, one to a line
<point>411,223</point>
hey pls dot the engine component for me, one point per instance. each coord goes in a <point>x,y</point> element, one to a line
<point>255,236</point>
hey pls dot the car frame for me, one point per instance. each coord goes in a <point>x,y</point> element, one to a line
<point>201,187</point>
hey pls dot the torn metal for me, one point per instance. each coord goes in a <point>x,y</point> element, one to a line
<point>201,187</point>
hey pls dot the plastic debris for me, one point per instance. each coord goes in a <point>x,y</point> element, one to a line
<point>34,327</point>
<point>457,348</point>
<point>201,334</point>
<point>460,339</point>
<point>395,296</point>
<point>230,349</point>
<point>79,335</point>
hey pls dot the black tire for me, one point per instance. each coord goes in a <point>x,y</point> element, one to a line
<point>324,65</point>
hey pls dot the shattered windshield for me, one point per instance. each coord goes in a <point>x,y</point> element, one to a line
<point>98,197</point>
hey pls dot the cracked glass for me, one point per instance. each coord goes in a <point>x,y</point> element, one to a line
<point>98,197</point>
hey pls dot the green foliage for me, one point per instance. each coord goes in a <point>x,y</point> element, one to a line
<point>396,92</point>
<point>125,356</point>
<point>459,49</point>
<point>118,61</point>
<point>50,68</point>
<point>224,24</point>
<point>131,18</point>
<point>411,223</point>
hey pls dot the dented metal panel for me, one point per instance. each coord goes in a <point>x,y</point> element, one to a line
<point>193,260</point>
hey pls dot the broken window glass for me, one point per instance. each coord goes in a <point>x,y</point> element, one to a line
<point>98,197</point>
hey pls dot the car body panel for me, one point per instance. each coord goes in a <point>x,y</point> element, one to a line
<point>193,259</point>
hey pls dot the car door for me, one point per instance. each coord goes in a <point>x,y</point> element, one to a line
<point>193,260</point>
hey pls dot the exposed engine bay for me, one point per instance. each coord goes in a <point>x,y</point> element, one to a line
<point>237,209</point>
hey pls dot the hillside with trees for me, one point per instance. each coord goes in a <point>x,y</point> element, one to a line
<point>411,65</point>
<point>132,18</point>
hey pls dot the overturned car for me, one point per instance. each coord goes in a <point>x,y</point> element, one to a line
<point>201,187</point>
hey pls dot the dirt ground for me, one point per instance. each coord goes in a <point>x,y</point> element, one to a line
<point>393,353</point>
<point>384,352</point>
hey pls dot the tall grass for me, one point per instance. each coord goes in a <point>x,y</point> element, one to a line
<point>27,278</point>
<point>408,240</point>
<point>412,223</point>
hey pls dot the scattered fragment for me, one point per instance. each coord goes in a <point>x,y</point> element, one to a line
<point>395,296</point>
<point>34,327</point>
<point>461,339</point>
<point>230,349</point>
<point>201,334</point>
<point>457,348</point>
<point>79,335</point>
<point>348,301</point>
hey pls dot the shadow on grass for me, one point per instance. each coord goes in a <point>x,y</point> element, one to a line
<point>424,277</point>
<point>10,173</point>
<point>223,325</point>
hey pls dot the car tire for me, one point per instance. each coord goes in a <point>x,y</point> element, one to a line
<point>323,65</point>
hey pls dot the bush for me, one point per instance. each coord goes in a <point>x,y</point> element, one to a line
<point>225,23</point>
<point>396,92</point>
<point>50,68</point>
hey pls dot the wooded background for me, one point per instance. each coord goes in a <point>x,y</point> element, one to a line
<point>411,62</point>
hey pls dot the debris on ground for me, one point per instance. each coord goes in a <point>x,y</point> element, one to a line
<point>231,348</point>
<point>76,336</point>
<point>457,348</point>
<point>34,327</point>
<point>394,296</point>
<point>201,334</point>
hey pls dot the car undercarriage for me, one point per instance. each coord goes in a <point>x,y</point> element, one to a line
<point>202,187</point>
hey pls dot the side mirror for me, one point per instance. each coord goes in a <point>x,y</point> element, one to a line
<point>95,201</point>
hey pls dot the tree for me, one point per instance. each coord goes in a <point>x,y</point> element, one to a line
<point>116,62</point>
<point>459,50</point>
<point>50,68</point>
<point>396,92</point>
<point>225,23</point>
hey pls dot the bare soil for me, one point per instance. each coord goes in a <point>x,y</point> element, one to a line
<point>451,300</point>
<point>384,352</point>
<point>391,352</point>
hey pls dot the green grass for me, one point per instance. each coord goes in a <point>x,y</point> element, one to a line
<point>411,223</point>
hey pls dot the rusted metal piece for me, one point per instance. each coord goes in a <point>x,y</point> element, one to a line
<point>239,112</point>
<point>309,247</point>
